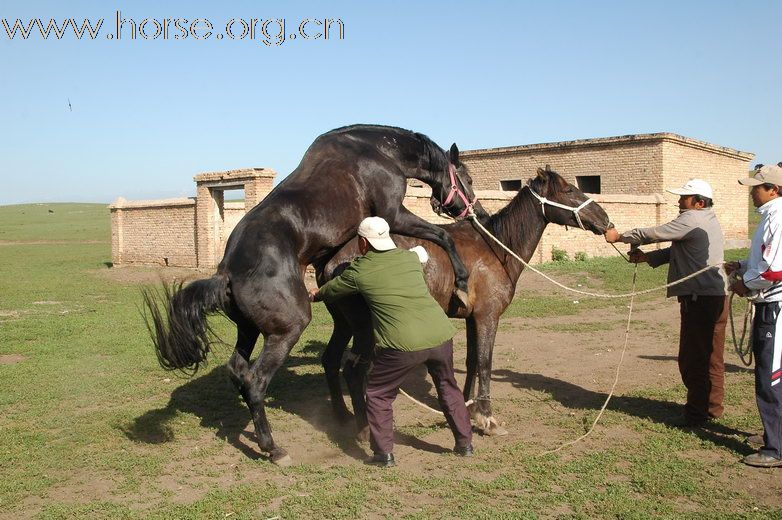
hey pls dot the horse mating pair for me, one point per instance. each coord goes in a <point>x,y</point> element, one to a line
<point>346,175</point>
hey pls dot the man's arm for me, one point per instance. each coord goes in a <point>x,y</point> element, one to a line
<point>343,285</point>
<point>676,229</point>
<point>659,257</point>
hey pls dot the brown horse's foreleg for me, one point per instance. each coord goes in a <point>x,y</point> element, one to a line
<point>355,372</point>
<point>332,361</point>
<point>486,332</point>
<point>356,313</point>
<point>472,359</point>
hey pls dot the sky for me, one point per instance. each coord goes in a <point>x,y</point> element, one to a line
<point>90,120</point>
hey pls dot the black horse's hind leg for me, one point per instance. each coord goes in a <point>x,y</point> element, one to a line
<point>332,361</point>
<point>409,224</point>
<point>281,322</point>
<point>239,364</point>
<point>275,351</point>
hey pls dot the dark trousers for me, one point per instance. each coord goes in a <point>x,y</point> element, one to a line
<point>701,351</point>
<point>389,371</point>
<point>768,373</point>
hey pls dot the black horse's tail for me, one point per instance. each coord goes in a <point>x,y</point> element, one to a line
<point>180,331</point>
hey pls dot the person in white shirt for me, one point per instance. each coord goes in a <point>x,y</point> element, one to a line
<point>761,276</point>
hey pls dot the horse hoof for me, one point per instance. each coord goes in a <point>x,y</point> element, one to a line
<point>489,426</point>
<point>363,435</point>
<point>495,430</point>
<point>283,461</point>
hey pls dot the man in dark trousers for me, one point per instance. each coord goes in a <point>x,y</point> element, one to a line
<point>761,276</point>
<point>696,242</point>
<point>410,328</point>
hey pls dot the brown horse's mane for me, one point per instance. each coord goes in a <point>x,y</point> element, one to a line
<point>513,224</point>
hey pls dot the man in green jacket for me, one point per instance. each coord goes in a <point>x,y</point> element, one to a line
<point>410,328</point>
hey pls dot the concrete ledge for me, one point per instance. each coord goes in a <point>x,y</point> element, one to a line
<point>121,203</point>
<point>609,141</point>
<point>229,175</point>
<point>654,198</point>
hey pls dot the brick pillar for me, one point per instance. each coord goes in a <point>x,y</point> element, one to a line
<point>255,189</point>
<point>209,222</point>
<point>117,231</point>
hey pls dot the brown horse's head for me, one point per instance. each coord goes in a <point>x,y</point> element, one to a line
<point>457,194</point>
<point>564,204</point>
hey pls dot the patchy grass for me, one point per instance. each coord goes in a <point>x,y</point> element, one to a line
<point>91,427</point>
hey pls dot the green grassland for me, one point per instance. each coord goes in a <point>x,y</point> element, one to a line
<point>86,412</point>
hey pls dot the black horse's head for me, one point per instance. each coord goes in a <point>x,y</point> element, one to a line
<point>564,204</point>
<point>456,196</point>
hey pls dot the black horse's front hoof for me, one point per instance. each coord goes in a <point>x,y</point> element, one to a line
<point>281,458</point>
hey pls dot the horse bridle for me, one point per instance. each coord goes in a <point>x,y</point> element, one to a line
<point>456,191</point>
<point>543,201</point>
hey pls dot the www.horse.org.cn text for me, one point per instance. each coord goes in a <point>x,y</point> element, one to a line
<point>269,32</point>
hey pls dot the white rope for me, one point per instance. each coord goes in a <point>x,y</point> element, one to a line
<point>587,293</point>
<point>616,376</point>
<point>419,403</point>
<point>745,354</point>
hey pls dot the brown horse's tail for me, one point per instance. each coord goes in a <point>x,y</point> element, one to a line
<point>180,331</point>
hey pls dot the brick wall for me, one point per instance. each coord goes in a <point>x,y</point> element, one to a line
<point>683,160</point>
<point>160,232</point>
<point>625,166</point>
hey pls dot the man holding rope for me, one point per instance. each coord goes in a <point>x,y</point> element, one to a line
<point>410,329</point>
<point>696,242</point>
<point>761,276</point>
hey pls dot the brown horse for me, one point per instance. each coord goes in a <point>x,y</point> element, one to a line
<point>493,277</point>
<point>346,174</point>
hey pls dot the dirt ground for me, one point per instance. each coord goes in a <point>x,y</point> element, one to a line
<point>548,375</point>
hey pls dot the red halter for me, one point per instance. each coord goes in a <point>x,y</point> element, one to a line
<point>456,191</point>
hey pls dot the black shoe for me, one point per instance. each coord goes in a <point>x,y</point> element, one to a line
<point>464,451</point>
<point>382,460</point>
<point>686,421</point>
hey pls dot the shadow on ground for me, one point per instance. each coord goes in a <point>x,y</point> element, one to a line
<point>303,393</point>
<point>729,367</point>
<point>664,412</point>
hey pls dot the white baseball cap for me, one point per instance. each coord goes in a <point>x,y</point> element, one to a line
<point>377,232</point>
<point>694,187</point>
<point>770,174</point>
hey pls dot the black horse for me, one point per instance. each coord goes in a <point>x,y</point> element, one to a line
<point>493,277</point>
<point>346,175</point>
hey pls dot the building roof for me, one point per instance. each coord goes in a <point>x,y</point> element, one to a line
<point>609,141</point>
<point>243,173</point>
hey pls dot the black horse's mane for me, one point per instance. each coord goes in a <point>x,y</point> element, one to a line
<point>413,144</point>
